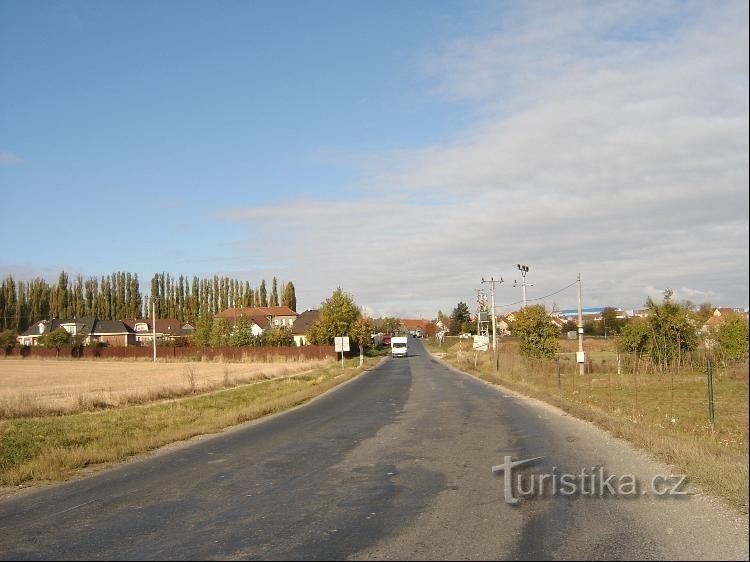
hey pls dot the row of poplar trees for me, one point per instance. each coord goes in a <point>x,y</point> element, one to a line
<point>117,297</point>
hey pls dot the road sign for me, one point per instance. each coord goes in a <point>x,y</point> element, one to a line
<point>481,343</point>
<point>342,344</point>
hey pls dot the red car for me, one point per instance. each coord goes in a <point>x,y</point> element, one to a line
<point>386,340</point>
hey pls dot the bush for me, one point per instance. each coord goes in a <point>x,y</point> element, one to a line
<point>732,337</point>
<point>537,335</point>
<point>7,341</point>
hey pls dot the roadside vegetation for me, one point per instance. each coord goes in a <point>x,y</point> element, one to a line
<point>649,385</point>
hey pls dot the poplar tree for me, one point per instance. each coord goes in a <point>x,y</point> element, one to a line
<point>274,293</point>
<point>8,310</point>
<point>289,298</point>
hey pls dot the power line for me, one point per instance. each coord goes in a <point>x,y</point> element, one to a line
<point>540,298</point>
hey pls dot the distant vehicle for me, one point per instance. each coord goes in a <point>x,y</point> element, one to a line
<point>417,333</point>
<point>386,340</point>
<point>399,346</point>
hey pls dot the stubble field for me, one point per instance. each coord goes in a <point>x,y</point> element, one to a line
<point>53,387</point>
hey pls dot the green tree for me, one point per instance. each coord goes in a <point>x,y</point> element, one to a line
<point>338,314</point>
<point>278,336</point>
<point>361,333</point>
<point>220,332</point>
<point>569,326</point>
<point>704,312</point>
<point>732,337</point>
<point>461,319</point>
<point>61,296</point>
<point>263,294</point>
<point>389,325</point>
<point>7,340</point>
<point>611,324</point>
<point>592,328</point>
<point>274,293</point>
<point>22,308</point>
<point>634,337</point>
<point>289,297</point>
<point>241,334</point>
<point>8,303</point>
<point>537,335</point>
<point>58,339</point>
<point>672,331</point>
<point>202,333</point>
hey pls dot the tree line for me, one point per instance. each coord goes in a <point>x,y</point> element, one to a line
<point>118,296</point>
<point>189,300</point>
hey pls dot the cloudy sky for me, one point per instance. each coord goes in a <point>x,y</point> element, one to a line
<point>400,150</point>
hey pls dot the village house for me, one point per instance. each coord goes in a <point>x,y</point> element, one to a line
<point>262,317</point>
<point>167,329</point>
<point>92,330</point>
<point>302,325</point>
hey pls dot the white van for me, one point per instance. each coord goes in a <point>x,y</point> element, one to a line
<point>399,346</point>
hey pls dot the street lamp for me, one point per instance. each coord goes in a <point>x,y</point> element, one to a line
<point>524,269</point>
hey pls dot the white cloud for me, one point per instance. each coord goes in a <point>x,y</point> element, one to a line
<point>622,157</point>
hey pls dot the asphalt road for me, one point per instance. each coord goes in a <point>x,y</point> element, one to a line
<point>396,464</point>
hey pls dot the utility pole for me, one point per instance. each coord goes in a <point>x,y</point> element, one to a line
<point>524,269</point>
<point>581,358</point>
<point>492,281</point>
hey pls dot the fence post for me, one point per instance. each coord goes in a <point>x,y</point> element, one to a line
<point>710,377</point>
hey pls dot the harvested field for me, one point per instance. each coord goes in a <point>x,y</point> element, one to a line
<point>52,387</point>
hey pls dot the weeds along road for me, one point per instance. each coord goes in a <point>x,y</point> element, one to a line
<point>397,464</point>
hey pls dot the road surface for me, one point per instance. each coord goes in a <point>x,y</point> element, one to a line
<point>396,464</point>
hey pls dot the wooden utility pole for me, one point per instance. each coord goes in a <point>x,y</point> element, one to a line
<point>580,358</point>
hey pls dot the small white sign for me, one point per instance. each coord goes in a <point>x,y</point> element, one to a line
<point>341,343</point>
<point>580,356</point>
<point>481,343</point>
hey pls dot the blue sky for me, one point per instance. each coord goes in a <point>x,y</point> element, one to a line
<point>400,150</point>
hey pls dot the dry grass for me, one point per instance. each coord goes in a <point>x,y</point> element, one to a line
<point>57,387</point>
<point>56,447</point>
<point>667,415</point>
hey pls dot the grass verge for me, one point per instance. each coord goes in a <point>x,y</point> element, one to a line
<point>46,449</point>
<point>665,416</point>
